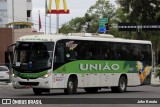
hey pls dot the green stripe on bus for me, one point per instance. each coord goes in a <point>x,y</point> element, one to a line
<point>98,66</point>
<point>31,75</point>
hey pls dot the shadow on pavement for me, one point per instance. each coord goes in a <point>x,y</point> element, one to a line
<point>78,93</point>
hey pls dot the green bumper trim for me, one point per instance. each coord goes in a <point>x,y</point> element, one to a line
<point>30,75</point>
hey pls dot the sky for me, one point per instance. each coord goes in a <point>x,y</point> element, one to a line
<point>77,8</point>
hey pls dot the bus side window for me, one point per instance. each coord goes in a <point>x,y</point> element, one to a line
<point>88,55</point>
<point>146,52</point>
<point>71,55</point>
<point>59,53</point>
<point>117,54</point>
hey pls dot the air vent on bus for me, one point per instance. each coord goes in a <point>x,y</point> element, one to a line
<point>29,83</point>
<point>91,35</point>
<point>105,36</point>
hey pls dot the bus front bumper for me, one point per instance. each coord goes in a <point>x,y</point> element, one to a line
<point>18,82</point>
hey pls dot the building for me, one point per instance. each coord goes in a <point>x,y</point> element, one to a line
<point>5,41</point>
<point>22,13</point>
<point>22,24</point>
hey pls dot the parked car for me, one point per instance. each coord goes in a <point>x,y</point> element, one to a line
<point>4,74</point>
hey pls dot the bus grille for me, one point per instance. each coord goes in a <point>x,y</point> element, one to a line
<point>29,83</point>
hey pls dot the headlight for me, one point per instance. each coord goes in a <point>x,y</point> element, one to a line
<point>47,75</point>
<point>14,75</point>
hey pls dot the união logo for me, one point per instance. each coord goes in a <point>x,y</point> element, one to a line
<point>99,67</point>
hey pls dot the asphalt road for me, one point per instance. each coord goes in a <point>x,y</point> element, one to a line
<point>7,91</point>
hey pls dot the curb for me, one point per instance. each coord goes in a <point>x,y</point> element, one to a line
<point>3,83</point>
<point>155,85</point>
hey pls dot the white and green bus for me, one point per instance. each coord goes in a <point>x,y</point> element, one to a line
<point>69,62</point>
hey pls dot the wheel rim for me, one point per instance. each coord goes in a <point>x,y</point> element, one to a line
<point>70,84</point>
<point>122,84</point>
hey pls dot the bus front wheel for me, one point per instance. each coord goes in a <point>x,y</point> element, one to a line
<point>71,86</point>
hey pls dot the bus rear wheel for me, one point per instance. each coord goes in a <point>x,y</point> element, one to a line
<point>71,86</point>
<point>122,85</point>
<point>91,90</point>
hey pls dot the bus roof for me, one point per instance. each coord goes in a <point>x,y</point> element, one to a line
<point>56,37</point>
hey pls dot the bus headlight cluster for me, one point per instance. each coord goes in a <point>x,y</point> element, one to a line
<point>14,75</point>
<point>47,75</point>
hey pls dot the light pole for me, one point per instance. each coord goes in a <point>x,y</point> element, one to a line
<point>10,74</point>
<point>46,12</point>
<point>1,22</point>
<point>13,21</point>
<point>50,27</point>
<point>57,23</point>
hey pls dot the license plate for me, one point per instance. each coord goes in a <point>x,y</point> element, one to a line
<point>28,86</point>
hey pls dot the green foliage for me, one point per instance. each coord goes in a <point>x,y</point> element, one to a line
<point>141,11</point>
<point>102,8</point>
<point>66,29</point>
<point>72,26</point>
<point>157,72</point>
<point>121,16</point>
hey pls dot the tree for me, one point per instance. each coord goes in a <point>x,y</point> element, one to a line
<point>66,29</point>
<point>102,8</point>
<point>143,12</point>
<point>157,72</point>
<point>90,21</point>
<point>73,26</point>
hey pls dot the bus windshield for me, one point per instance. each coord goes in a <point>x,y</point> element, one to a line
<point>33,56</point>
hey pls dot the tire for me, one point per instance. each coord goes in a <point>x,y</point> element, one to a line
<point>91,90</point>
<point>71,86</point>
<point>122,85</point>
<point>38,91</point>
<point>114,89</point>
